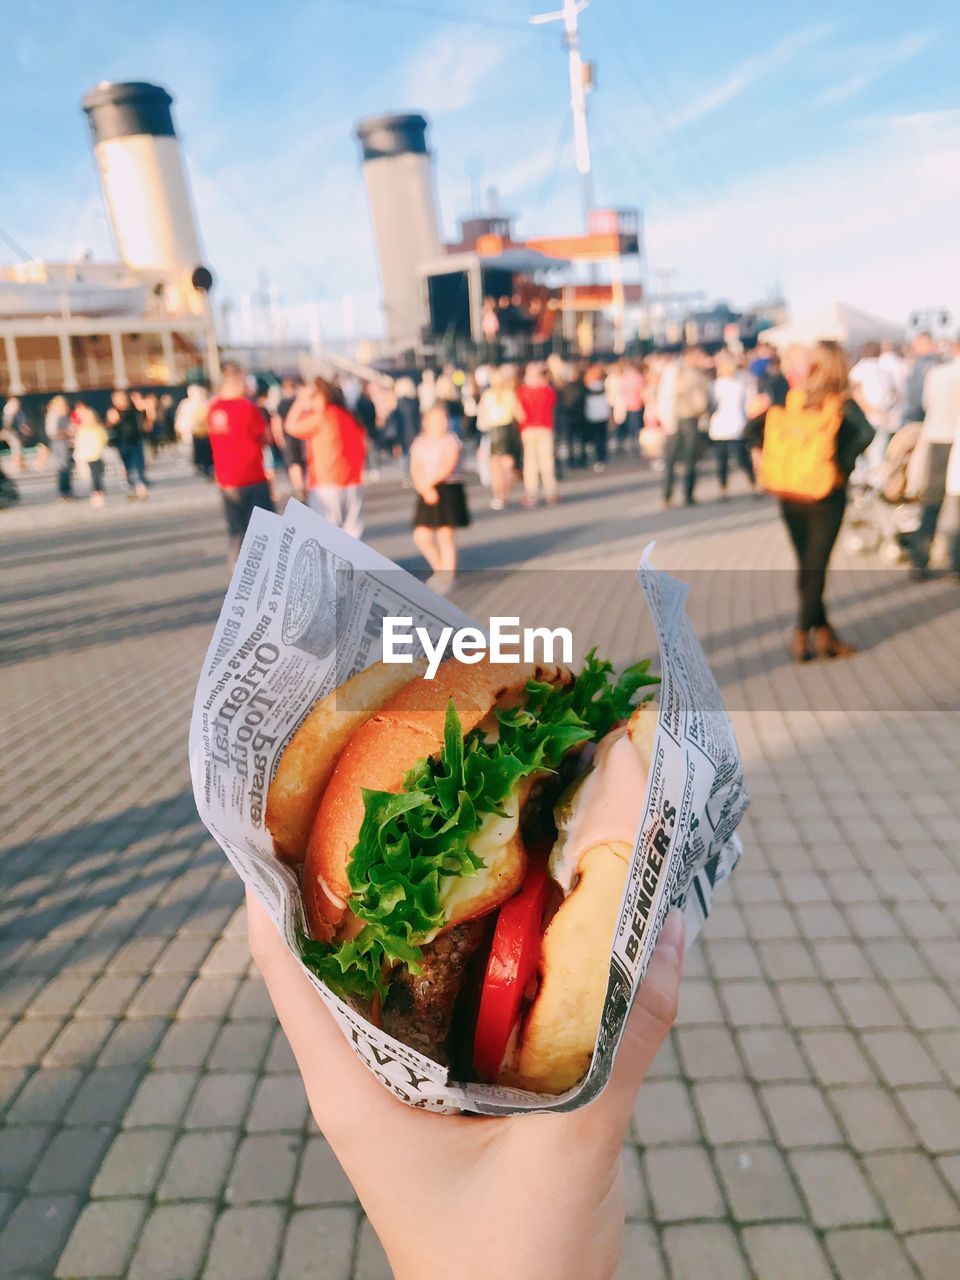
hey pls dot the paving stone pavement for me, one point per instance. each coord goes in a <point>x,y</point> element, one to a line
<point>803,1121</point>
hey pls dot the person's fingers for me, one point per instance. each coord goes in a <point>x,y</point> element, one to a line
<point>653,1014</point>
<point>339,1086</point>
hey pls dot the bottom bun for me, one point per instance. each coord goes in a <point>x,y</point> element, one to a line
<point>558,1037</point>
<point>559,1034</point>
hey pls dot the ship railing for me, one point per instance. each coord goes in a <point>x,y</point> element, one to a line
<point>93,373</point>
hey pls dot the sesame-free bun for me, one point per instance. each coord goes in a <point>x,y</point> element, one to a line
<point>308,761</point>
<point>558,1036</point>
<point>405,729</point>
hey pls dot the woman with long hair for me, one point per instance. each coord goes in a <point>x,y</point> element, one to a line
<point>497,421</point>
<point>807,450</point>
<point>336,449</point>
<point>441,502</point>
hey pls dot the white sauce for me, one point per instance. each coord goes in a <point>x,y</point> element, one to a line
<point>329,894</point>
<point>489,843</point>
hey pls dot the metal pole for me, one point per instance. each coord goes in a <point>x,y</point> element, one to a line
<point>569,15</point>
<point>169,358</point>
<point>66,359</point>
<point>213,350</point>
<point>578,104</point>
<point>619,307</point>
<point>665,274</point>
<point>120,379</point>
<point>13,365</point>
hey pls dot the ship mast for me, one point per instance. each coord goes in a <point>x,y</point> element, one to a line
<point>579,75</point>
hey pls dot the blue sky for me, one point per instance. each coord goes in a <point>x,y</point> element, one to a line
<point>816,145</point>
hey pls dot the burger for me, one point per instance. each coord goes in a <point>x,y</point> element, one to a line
<point>463,845</point>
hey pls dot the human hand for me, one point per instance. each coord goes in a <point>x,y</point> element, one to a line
<point>475,1197</point>
<point>429,494</point>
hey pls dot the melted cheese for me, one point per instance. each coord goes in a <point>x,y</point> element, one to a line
<point>496,844</point>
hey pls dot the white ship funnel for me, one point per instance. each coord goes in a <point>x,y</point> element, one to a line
<point>145,188</point>
<point>399,174</point>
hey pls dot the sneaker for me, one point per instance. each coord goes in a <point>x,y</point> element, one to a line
<point>497,504</point>
<point>529,503</point>
<point>599,467</point>
<point>141,492</point>
<point>97,499</point>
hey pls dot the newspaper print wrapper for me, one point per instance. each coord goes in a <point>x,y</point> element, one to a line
<point>302,614</point>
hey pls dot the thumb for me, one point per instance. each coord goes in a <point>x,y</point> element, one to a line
<point>653,1014</point>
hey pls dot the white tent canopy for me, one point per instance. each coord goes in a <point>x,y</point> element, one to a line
<point>837,322</point>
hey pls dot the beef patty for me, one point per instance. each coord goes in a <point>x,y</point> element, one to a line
<point>418,1009</point>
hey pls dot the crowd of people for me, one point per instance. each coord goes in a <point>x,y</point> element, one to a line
<point>527,427</point>
<point>76,439</point>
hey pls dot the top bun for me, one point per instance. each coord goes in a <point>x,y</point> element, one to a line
<point>308,761</point>
<point>405,729</point>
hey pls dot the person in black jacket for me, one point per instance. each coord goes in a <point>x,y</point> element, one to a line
<point>126,424</point>
<point>813,525</point>
<point>403,424</point>
<point>570,418</point>
<point>772,384</point>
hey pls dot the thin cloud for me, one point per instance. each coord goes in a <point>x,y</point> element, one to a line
<point>925,120</point>
<point>749,72</point>
<point>447,73</point>
<point>873,64</point>
<point>821,225</point>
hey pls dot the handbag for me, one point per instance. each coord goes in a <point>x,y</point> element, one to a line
<point>651,441</point>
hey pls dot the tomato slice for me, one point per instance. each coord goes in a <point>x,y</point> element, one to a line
<point>512,963</point>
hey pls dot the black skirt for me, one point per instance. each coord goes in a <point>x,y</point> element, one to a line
<point>505,439</point>
<point>450,512</point>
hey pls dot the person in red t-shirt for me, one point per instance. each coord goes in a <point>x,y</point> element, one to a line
<point>336,448</point>
<point>238,432</point>
<point>536,402</point>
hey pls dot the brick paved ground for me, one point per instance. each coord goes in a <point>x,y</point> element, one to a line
<point>803,1121</point>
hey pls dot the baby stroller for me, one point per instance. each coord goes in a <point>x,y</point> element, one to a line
<point>880,516</point>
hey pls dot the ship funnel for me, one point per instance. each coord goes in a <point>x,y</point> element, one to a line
<point>145,188</point>
<point>399,175</point>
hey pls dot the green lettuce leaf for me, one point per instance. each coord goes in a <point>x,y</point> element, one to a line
<point>410,843</point>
